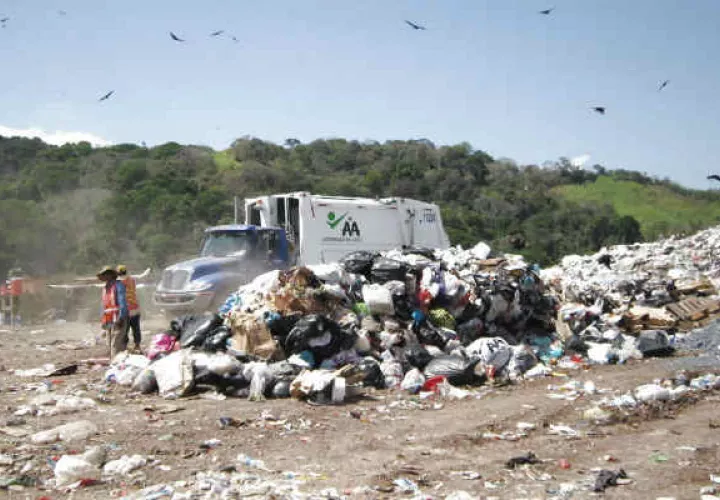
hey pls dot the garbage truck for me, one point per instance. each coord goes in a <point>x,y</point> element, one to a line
<point>289,229</point>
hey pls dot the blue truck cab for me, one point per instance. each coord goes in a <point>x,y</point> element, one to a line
<point>230,256</point>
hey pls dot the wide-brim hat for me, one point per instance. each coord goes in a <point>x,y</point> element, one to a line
<point>107,270</point>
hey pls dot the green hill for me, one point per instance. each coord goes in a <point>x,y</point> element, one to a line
<point>73,208</point>
<point>660,209</point>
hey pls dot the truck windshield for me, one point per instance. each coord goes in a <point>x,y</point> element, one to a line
<point>223,243</point>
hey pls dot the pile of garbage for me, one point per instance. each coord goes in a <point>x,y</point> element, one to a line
<point>416,319</point>
<point>650,291</point>
<point>648,274</point>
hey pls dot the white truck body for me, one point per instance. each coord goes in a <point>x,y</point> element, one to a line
<point>325,228</point>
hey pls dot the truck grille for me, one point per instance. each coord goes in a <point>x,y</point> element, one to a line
<point>174,280</point>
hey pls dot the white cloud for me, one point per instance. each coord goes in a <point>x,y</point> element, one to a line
<point>579,161</point>
<point>57,137</point>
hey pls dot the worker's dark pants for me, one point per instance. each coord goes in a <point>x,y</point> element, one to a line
<point>117,337</point>
<point>134,325</point>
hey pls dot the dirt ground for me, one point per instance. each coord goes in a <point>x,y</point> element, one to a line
<point>668,452</point>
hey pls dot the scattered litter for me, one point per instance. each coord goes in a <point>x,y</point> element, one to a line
<point>530,458</point>
<point>606,478</point>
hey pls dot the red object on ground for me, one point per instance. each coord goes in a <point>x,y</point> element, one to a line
<point>431,384</point>
<point>564,463</point>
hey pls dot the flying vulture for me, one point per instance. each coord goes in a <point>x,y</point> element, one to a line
<point>217,33</point>
<point>714,177</point>
<point>599,109</point>
<point>175,37</point>
<point>414,26</point>
<point>547,12</point>
<point>663,85</point>
<point>106,96</point>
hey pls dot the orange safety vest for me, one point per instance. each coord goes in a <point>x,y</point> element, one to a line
<point>131,294</point>
<point>110,305</point>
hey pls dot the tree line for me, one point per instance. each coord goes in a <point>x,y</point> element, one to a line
<point>69,209</point>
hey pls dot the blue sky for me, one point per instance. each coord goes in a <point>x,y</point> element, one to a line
<point>494,73</point>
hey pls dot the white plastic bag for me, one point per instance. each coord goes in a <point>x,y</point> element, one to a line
<point>330,273</point>
<point>174,374</point>
<point>71,404</point>
<point>493,351</point>
<point>599,353</point>
<point>72,468</point>
<point>413,381</point>
<point>124,465</point>
<point>223,364</point>
<point>392,371</point>
<point>74,431</point>
<point>481,251</point>
<point>378,299</point>
<point>652,392</point>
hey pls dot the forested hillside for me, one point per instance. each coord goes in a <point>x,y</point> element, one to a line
<point>73,208</point>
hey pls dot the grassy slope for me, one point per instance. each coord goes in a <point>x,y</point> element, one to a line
<point>225,161</point>
<point>658,209</point>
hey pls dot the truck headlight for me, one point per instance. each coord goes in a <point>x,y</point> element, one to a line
<point>199,286</point>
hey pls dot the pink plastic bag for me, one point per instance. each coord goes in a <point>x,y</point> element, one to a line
<point>162,343</point>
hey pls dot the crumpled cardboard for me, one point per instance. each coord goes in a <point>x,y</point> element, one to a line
<point>251,335</point>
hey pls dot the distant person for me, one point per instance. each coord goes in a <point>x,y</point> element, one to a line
<point>132,304</point>
<point>115,310</point>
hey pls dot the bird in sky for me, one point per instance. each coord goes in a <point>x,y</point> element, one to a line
<point>415,26</point>
<point>4,20</point>
<point>217,33</point>
<point>714,177</point>
<point>547,12</point>
<point>62,12</point>
<point>663,85</point>
<point>234,39</point>
<point>106,96</point>
<point>175,37</point>
<point>599,109</point>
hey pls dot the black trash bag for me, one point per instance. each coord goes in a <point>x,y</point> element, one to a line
<point>417,357</point>
<point>530,458</point>
<point>217,340</point>
<point>576,345</point>
<point>341,340</point>
<point>226,383</point>
<point>654,343</point>
<point>145,382</point>
<point>607,478</point>
<point>430,336</point>
<point>311,326</point>
<point>403,307</point>
<point>384,270</point>
<point>359,262</point>
<point>428,253</point>
<point>281,327</point>
<point>470,331</point>
<point>320,335</point>
<point>458,370</point>
<point>195,331</point>
<point>282,370</point>
<point>281,389</point>
<point>373,374</point>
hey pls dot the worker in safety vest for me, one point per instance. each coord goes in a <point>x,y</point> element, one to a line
<point>115,310</point>
<point>132,303</point>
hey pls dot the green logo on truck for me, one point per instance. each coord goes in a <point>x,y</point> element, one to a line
<point>350,229</point>
<point>333,221</point>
